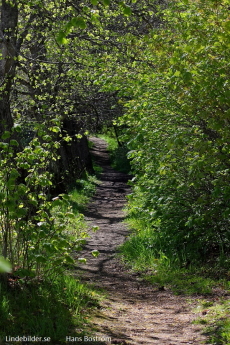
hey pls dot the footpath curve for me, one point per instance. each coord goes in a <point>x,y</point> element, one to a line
<point>134,312</point>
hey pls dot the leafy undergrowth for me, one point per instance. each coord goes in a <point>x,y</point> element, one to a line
<point>118,154</point>
<point>54,304</point>
<point>162,272</point>
<point>53,309</point>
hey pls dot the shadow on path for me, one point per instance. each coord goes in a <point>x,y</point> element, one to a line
<point>134,311</point>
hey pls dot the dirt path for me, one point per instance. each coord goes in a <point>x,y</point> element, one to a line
<point>134,312</point>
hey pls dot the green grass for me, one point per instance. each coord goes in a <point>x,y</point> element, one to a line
<point>98,169</point>
<point>81,194</point>
<point>216,318</point>
<point>138,252</point>
<point>208,281</point>
<point>111,141</point>
<point>118,154</point>
<point>53,308</point>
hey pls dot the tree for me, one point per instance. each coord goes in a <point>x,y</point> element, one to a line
<point>30,235</point>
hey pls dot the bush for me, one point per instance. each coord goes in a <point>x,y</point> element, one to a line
<point>179,133</point>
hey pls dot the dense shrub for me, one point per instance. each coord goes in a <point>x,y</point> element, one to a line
<point>179,132</point>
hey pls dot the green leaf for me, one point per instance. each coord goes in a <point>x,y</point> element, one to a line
<point>69,260</point>
<point>82,260</point>
<point>4,146</point>
<point>78,22</point>
<point>70,215</point>
<point>94,2</point>
<point>14,174</point>
<point>5,266</point>
<point>227,25</point>
<point>54,129</point>
<point>21,212</point>
<point>106,2</point>
<point>14,142</point>
<point>61,38</point>
<point>187,76</point>
<point>95,253</point>
<point>5,135</point>
<point>56,202</point>
<point>17,127</point>
<point>127,10</point>
<point>22,188</point>
<point>25,273</point>
<point>49,247</point>
<point>40,258</point>
<point>177,74</point>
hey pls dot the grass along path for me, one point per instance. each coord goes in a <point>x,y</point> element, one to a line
<point>134,311</point>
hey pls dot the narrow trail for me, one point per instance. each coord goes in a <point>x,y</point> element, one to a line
<point>134,311</point>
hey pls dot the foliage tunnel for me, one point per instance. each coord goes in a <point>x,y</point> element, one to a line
<point>159,70</point>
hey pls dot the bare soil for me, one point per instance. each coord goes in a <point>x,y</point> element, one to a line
<point>134,311</point>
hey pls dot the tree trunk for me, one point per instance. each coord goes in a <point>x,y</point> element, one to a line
<point>75,159</point>
<point>8,58</point>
